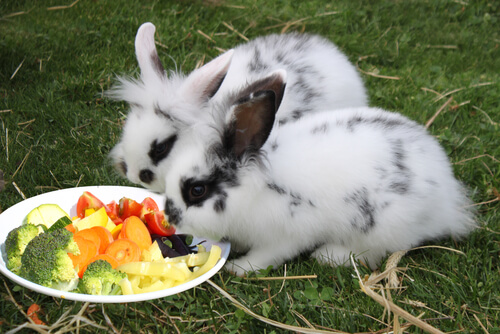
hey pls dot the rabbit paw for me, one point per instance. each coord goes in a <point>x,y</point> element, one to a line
<point>253,261</point>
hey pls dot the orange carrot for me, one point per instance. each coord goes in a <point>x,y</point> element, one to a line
<point>135,230</point>
<point>105,257</point>
<point>71,228</point>
<point>91,235</point>
<point>124,251</point>
<point>32,313</point>
<point>121,235</point>
<point>105,237</point>
<point>88,250</point>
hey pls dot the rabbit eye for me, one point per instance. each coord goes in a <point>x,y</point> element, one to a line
<point>197,192</point>
<point>160,150</point>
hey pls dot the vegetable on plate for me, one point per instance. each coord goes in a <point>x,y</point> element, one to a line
<point>107,249</point>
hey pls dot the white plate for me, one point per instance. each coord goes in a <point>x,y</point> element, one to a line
<point>67,199</point>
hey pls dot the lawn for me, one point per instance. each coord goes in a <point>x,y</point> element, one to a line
<point>435,61</point>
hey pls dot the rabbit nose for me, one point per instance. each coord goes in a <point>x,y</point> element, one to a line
<point>146,176</point>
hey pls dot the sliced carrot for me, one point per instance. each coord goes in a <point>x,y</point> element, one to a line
<point>70,227</point>
<point>124,251</point>
<point>121,235</point>
<point>105,257</point>
<point>91,235</point>
<point>104,235</point>
<point>88,250</point>
<point>135,230</point>
<point>32,313</point>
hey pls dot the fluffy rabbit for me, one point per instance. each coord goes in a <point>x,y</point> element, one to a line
<point>360,180</point>
<point>164,106</point>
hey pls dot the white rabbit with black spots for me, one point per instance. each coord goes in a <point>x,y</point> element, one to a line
<point>165,104</point>
<point>360,181</point>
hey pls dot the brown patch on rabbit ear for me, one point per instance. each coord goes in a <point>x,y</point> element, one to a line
<point>157,65</point>
<point>254,119</point>
<point>254,114</point>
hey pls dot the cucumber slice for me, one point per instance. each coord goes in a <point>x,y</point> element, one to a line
<point>60,223</point>
<point>45,214</point>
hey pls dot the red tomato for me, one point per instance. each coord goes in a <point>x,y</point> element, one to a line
<point>148,205</point>
<point>129,207</point>
<point>112,209</point>
<point>87,201</point>
<point>157,224</point>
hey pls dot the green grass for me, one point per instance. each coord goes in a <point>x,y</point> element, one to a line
<point>56,130</point>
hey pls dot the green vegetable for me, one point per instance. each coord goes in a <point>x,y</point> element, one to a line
<point>45,260</point>
<point>15,244</point>
<point>45,214</point>
<point>101,279</point>
<point>60,223</point>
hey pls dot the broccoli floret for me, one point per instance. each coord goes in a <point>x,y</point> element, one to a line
<point>101,279</point>
<point>15,244</point>
<point>45,260</point>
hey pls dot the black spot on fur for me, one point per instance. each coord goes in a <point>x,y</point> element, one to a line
<point>432,183</point>
<point>162,113</point>
<point>276,188</point>
<point>303,89</point>
<point>297,114</point>
<point>321,129</point>
<point>122,167</point>
<point>399,155</point>
<point>160,150</point>
<point>257,65</point>
<point>401,178</point>
<point>399,187</point>
<point>295,199</point>
<point>173,213</point>
<point>380,121</point>
<point>280,57</point>
<point>365,220</point>
<point>220,203</point>
<point>274,146</point>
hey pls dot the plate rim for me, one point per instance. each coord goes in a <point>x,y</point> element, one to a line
<point>121,191</point>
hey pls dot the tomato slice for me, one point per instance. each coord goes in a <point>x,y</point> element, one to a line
<point>112,209</point>
<point>129,207</point>
<point>157,224</point>
<point>148,205</point>
<point>87,201</point>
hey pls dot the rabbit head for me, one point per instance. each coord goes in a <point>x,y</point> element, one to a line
<point>208,169</point>
<point>162,105</point>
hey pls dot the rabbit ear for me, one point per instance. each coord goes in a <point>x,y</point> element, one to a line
<point>254,114</point>
<point>147,56</point>
<point>204,82</point>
